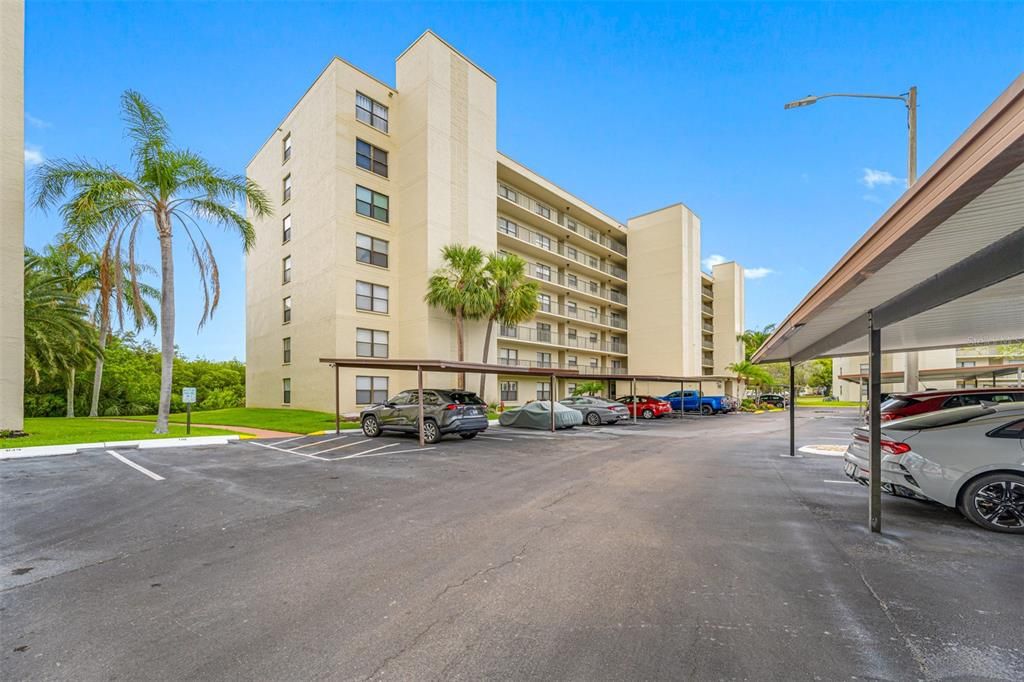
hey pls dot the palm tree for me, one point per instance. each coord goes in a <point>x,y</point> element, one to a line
<point>513,299</point>
<point>753,374</point>
<point>169,186</point>
<point>754,338</point>
<point>459,287</point>
<point>58,335</point>
<point>590,388</point>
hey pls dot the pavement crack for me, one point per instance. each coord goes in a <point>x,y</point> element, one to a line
<point>411,645</point>
<point>915,651</point>
<point>483,571</point>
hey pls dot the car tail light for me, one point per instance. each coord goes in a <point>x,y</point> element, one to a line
<point>894,448</point>
<point>889,416</point>
<point>451,406</point>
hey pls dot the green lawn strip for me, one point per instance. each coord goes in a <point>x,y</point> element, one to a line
<point>63,431</point>
<point>818,401</point>
<point>275,419</point>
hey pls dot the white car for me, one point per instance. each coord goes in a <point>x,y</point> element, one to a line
<point>968,458</point>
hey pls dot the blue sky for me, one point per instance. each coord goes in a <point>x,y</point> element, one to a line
<point>629,106</point>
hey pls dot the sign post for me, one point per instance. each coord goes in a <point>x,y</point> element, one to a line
<point>188,396</point>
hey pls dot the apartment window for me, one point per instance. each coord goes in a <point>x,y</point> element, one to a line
<point>543,390</point>
<point>508,227</point>
<point>509,391</point>
<point>570,388</point>
<point>371,343</point>
<point>286,229</point>
<point>286,148</point>
<point>371,390</point>
<point>286,269</point>
<point>570,308</point>
<point>508,193</point>
<point>286,350</point>
<point>571,252</point>
<point>372,158</point>
<point>509,331</point>
<point>571,281</point>
<point>372,204</point>
<point>372,297</point>
<point>286,310</point>
<point>570,360</point>
<point>286,188</point>
<point>616,364</point>
<point>543,359</point>
<point>544,301</point>
<point>544,332</point>
<point>966,363</point>
<point>544,211</point>
<point>372,112</point>
<point>371,250</point>
<point>572,334</point>
<point>543,272</point>
<point>592,286</point>
<point>593,337</point>
<point>286,391</point>
<point>593,363</point>
<point>508,356</point>
<point>542,241</point>
<point>594,312</point>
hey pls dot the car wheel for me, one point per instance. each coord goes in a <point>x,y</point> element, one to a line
<point>431,434</point>
<point>996,502</point>
<point>593,419</point>
<point>707,409</point>
<point>468,436</point>
<point>371,428</point>
<point>647,414</point>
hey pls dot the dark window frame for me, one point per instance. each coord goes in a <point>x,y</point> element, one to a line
<point>373,210</point>
<point>286,229</point>
<point>286,391</point>
<point>373,256</point>
<point>509,391</point>
<point>368,158</point>
<point>286,310</point>
<point>372,116</point>
<point>286,269</point>
<point>373,344</point>
<point>286,189</point>
<point>373,298</point>
<point>373,394</point>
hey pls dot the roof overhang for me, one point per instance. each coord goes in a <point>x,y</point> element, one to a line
<point>944,374</point>
<point>944,266</point>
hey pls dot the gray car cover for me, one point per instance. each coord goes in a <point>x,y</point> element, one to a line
<point>537,415</point>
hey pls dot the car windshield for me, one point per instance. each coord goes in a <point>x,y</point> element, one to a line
<point>932,420</point>
<point>465,398</point>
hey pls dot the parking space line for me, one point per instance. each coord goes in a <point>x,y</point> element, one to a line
<point>339,447</point>
<point>390,452</point>
<point>290,452</point>
<point>135,466</point>
<point>316,442</point>
<point>496,438</point>
<point>289,440</point>
<point>366,452</point>
<point>849,482</point>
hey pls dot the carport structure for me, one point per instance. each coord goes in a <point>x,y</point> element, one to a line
<point>944,266</point>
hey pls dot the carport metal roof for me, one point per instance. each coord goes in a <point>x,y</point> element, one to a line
<point>947,373</point>
<point>942,267</point>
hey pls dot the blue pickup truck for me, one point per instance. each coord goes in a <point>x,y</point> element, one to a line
<point>688,401</point>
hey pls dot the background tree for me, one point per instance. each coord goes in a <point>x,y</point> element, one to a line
<point>754,375</point>
<point>459,287</point>
<point>513,299</point>
<point>590,388</point>
<point>169,187</point>
<point>754,338</point>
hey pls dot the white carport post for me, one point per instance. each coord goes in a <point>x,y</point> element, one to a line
<point>633,398</point>
<point>875,424</point>
<point>419,399</point>
<point>552,398</point>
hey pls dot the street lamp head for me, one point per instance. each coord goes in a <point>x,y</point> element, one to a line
<point>805,102</point>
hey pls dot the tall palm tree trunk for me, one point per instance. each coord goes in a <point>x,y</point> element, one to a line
<point>166,325</point>
<point>97,375</point>
<point>459,346</point>
<point>487,348</point>
<point>71,393</point>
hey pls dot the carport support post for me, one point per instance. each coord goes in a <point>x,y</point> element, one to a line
<point>419,400</point>
<point>337,400</point>
<point>700,398</point>
<point>633,397</point>
<point>552,387</point>
<point>875,425</point>
<point>792,410</point>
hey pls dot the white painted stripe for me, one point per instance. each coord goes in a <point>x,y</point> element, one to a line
<point>339,447</point>
<point>366,452</point>
<point>850,482</point>
<point>496,438</point>
<point>289,440</point>
<point>316,442</point>
<point>300,454</point>
<point>135,466</point>
<point>390,452</point>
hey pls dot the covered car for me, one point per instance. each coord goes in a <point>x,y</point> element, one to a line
<point>537,415</point>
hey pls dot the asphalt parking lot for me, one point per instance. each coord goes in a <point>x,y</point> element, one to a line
<point>685,549</point>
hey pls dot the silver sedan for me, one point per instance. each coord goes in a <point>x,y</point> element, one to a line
<point>597,410</point>
<point>968,458</point>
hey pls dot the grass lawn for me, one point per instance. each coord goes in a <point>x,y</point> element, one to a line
<point>819,401</point>
<point>61,431</point>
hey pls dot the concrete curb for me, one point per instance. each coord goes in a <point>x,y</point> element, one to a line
<point>143,444</point>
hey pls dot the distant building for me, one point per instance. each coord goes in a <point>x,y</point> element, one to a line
<point>370,181</point>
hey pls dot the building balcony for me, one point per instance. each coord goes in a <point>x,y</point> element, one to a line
<point>540,244</point>
<point>553,338</point>
<point>582,369</point>
<point>570,282</point>
<point>708,328</point>
<point>582,315</point>
<point>706,310</point>
<point>707,293</point>
<point>525,205</point>
<point>707,345</point>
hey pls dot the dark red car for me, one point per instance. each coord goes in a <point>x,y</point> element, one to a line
<point>901,405</point>
<point>646,406</point>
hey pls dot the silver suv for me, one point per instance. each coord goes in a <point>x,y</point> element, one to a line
<point>444,411</point>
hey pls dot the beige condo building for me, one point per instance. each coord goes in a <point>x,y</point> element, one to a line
<point>369,183</point>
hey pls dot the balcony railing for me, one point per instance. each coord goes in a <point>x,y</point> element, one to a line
<point>707,292</point>
<point>543,241</point>
<point>582,369</point>
<point>535,335</point>
<point>539,208</point>
<point>707,346</point>
<point>707,309</point>
<point>577,313</point>
<point>576,283</point>
<point>709,328</point>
